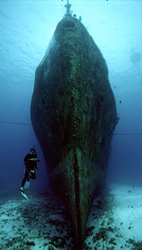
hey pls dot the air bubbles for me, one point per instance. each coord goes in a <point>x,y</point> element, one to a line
<point>59,2</point>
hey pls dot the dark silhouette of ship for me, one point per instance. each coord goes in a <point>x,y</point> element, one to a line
<point>73,113</point>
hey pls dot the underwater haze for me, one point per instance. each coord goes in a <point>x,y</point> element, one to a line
<point>26,28</point>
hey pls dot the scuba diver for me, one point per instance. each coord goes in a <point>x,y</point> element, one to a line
<point>31,160</point>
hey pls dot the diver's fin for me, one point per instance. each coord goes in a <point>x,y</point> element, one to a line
<point>22,192</point>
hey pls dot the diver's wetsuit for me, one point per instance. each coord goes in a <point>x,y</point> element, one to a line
<point>31,162</point>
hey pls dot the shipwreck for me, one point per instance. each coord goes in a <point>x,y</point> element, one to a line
<point>73,113</point>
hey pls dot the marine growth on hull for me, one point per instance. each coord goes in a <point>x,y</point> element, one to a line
<point>73,113</point>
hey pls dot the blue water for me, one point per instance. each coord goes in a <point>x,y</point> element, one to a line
<point>26,29</point>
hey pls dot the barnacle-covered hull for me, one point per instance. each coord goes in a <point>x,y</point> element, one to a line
<point>73,114</point>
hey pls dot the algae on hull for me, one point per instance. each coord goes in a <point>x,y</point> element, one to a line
<point>73,113</point>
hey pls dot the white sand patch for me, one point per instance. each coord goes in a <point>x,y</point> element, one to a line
<point>115,219</point>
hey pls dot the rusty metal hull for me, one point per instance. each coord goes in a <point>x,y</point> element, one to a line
<point>73,113</point>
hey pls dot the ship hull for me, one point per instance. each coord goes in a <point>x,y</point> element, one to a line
<point>73,114</point>
<point>77,179</point>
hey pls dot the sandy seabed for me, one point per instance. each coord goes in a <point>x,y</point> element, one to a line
<point>42,221</point>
